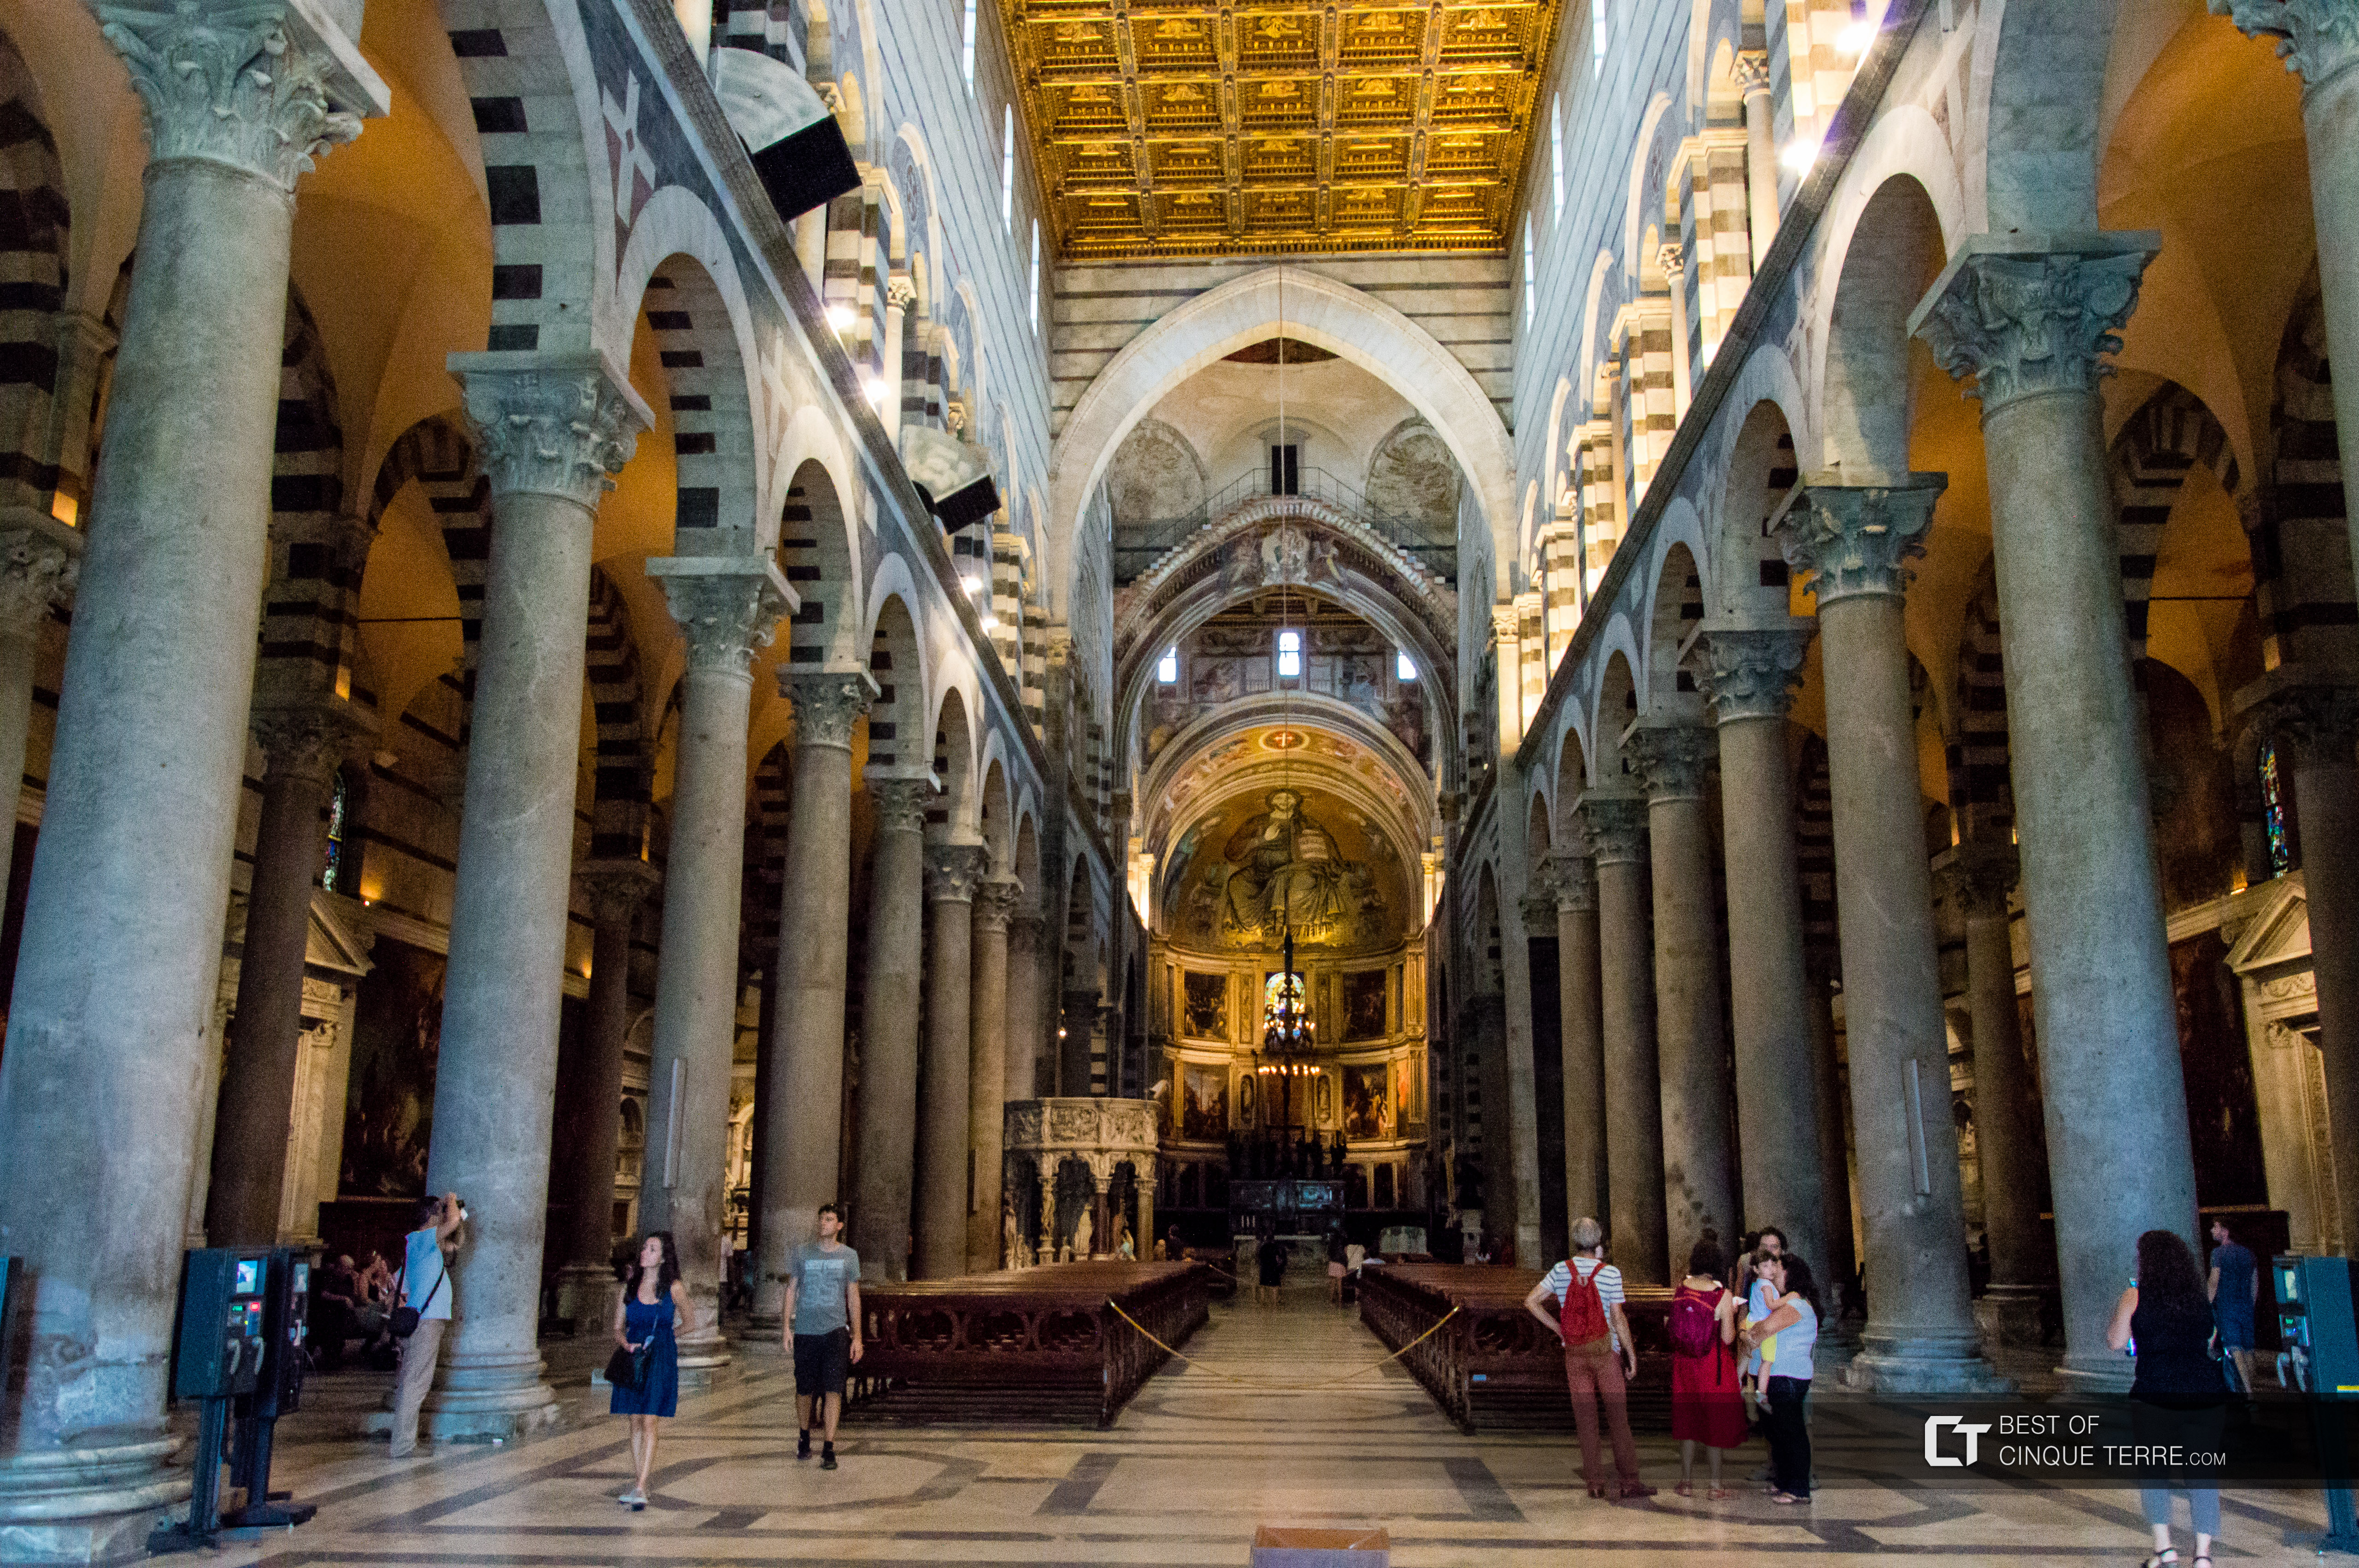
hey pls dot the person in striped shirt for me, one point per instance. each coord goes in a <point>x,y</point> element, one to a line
<point>1600,1356</point>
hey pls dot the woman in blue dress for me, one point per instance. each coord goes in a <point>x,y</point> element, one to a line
<point>654,1302</point>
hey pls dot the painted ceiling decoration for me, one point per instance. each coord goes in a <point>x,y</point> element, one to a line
<point>1186,130</point>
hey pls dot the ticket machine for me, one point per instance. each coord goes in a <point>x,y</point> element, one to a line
<point>286,1312</point>
<point>218,1354</point>
<point>2316,1302</point>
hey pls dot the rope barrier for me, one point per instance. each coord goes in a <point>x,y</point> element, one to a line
<point>1260,1387</point>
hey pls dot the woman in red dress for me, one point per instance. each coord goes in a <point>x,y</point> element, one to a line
<point>1705,1405</point>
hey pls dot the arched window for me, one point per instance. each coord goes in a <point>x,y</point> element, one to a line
<point>1556,160</point>
<point>1596,35</point>
<point>331,870</point>
<point>1290,654</point>
<point>1008,168</point>
<point>966,59</point>
<point>1531,284</point>
<point>1404,667</point>
<point>1167,668</point>
<point>1036,277</point>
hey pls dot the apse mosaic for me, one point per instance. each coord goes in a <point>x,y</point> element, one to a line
<point>1284,860</point>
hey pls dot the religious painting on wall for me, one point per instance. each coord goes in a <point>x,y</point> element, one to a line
<point>1289,861</point>
<point>1246,1096</point>
<point>1204,1109</point>
<point>1205,1007</point>
<point>1405,1099</point>
<point>1364,1005</point>
<point>1366,1102</point>
<point>397,1042</point>
<point>1326,1100</point>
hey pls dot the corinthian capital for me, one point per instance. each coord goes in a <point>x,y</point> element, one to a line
<point>556,425</point>
<point>1673,760</point>
<point>951,873</point>
<point>727,606</point>
<point>614,888</point>
<point>901,799</point>
<point>1616,826</point>
<point>306,736</point>
<point>1858,539</point>
<point>1753,669</point>
<point>2320,39</point>
<point>2312,713</point>
<point>1574,878</point>
<point>2033,314</point>
<point>40,559</point>
<point>1751,70</point>
<point>1979,875</point>
<point>260,86</point>
<point>995,902</point>
<point>828,703</point>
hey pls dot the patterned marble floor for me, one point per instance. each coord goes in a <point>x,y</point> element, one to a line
<point>1193,1465</point>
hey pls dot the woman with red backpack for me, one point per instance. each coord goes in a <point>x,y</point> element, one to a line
<point>1600,1356</point>
<point>1705,1405</point>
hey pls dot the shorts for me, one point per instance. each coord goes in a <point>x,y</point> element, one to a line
<point>2237,1334</point>
<point>822,1362</point>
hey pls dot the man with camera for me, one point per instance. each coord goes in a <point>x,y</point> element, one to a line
<point>424,1310</point>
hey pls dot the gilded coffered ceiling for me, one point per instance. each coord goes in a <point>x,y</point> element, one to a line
<point>1189,129</point>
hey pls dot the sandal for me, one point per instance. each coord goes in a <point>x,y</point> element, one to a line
<point>1719,1494</point>
<point>2165,1558</point>
<point>1596,1488</point>
<point>1786,1498</point>
<point>1685,1490</point>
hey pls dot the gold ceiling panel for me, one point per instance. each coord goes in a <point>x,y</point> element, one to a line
<point>1181,128</point>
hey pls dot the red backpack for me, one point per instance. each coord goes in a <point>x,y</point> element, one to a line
<point>1695,1326</point>
<point>1581,1316</point>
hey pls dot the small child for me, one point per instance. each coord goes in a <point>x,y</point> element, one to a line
<point>1758,1305</point>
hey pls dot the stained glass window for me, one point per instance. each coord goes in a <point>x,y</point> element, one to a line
<point>334,859</point>
<point>2273,813</point>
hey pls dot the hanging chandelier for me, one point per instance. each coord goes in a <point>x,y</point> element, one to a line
<point>1289,1032</point>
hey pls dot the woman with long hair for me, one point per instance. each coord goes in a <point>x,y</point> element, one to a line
<point>652,1307</point>
<point>1786,1394</point>
<point>2177,1394</point>
<point>1705,1405</point>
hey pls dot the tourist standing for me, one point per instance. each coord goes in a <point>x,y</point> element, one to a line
<point>2177,1394</point>
<point>425,1285</point>
<point>2234,1287</point>
<point>1600,1356</point>
<point>1336,1266</point>
<point>823,1312</point>
<point>1270,1264</point>
<point>653,1304</point>
<point>1705,1405</point>
<point>1794,1321</point>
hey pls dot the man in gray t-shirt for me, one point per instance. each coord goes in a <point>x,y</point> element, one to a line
<point>822,1328</point>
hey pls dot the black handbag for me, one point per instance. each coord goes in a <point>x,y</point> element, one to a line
<point>628,1369</point>
<point>405,1318</point>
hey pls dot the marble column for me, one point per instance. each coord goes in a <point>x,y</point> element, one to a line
<point>549,431</point>
<point>888,1117</point>
<point>106,1046</point>
<point>726,606</point>
<point>1617,826</point>
<point>802,1140</point>
<point>2006,1100</point>
<point>2320,39</point>
<point>1025,1023</point>
<point>2031,320</point>
<point>1855,541</point>
<point>1699,1166</point>
<point>1575,881</point>
<point>1753,670</point>
<point>995,904</point>
<point>1674,260</point>
<point>1760,152</point>
<point>588,1128</point>
<point>39,559</point>
<point>2313,722</point>
<point>944,1106</point>
<point>1834,1151</point>
<point>302,745</point>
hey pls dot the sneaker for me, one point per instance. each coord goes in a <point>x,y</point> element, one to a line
<point>827,1457</point>
<point>802,1445</point>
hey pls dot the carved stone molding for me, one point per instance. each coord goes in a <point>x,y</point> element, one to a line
<point>953,871</point>
<point>2318,39</point>
<point>1574,879</point>
<point>726,605</point>
<point>257,87</point>
<point>1753,671</point>
<point>1673,760</point>
<point>41,561</point>
<point>556,425</point>
<point>1616,826</point>
<point>1857,539</point>
<point>828,704</point>
<point>995,902</point>
<point>615,888</point>
<point>2033,315</point>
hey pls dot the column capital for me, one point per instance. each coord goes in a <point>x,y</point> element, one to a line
<point>1979,876</point>
<point>1023,929</point>
<point>1615,822</point>
<point>900,291</point>
<point>1753,670</point>
<point>558,425</point>
<point>2027,314</point>
<point>41,561</point>
<point>1673,257</point>
<point>995,903</point>
<point>614,886</point>
<point>1537,906</point>
<point>902,798</point>
<point>1673,760</point>
<point>1574,879</point>
<point>305,736</point>
<point>953,871</point>
<point>726,605</point>
<point>2318,38</point>
<point>1857,538</point>
<point>1751,70</point>
<point>261,88</point>
<point>2309,711</point>
<point>828,703</point>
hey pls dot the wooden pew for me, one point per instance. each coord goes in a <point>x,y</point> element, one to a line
<point>1039,1343</point>
<point>1493,1365</point>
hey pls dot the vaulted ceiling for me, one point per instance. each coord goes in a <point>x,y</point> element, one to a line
<point>1191,129</point>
